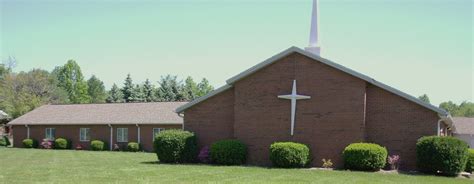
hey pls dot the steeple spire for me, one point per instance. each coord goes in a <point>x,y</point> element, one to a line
<point>313,35</point>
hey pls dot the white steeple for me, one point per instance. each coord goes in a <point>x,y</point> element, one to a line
<point>313,35</point>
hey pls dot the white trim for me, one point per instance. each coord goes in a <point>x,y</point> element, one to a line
<point>293,49</point>
<point>87,132</point>
<point>202,98</point>
<point>51,132</point>
<point>111,137</point>
<point>138,134</point>
<point>123,136</point>
<point>27,131</point>
<point>159,130</point>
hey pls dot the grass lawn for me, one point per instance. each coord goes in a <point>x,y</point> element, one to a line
<point>68,166</point>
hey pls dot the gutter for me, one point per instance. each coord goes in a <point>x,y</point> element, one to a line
<point>27,131</point>
<point>138,133</point>
<point>111,136</point>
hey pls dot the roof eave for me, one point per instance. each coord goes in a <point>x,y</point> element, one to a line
<point>293,49</point>
<point>202,98</point>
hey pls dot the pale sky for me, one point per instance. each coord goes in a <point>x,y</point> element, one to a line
<point>417,46</point>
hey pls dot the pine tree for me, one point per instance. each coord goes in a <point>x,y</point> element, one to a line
<point>148,90</point>
<point>115,95</point>
<point>424,98</point>
<point>137,94</point>
<point>127,89</point>
<point>190,89</point>
<point>204,87</point>
<point>96,90</point>
<point>170,89</point>
<point>70,79</point>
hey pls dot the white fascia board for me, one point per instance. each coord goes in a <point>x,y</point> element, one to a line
<point>202,98</point>
<point>339,67</point>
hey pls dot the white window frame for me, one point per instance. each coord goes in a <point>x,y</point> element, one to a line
<point>159,130</point>
<point>50,133</point>
<point>122,134</point>
<point>84,134</point>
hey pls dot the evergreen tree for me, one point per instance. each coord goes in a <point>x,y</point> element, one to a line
<point>190,89</point>
<point>137,94</point>
<point>204,87</point>
<point>96,90</point>
<point>70,79</point>
<point>424,98</point>
<point>170,89</point>
<point>148,91</point>
<point>115,95</point>
<point>127,89</point>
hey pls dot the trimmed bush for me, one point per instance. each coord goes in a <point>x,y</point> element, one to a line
<point>364,157</point>
<point>30,143</point>
<point>289,154</point>
<point>228,152</point>
<point>4,141</point>
<point>61,143</point>
<point>445,154</point>
<point>133,147</point>
<point>470,161</point>
<point>97,145</point>
<point>176,146</point>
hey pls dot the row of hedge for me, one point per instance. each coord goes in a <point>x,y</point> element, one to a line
<point>446,155</point>
<point>61,143</point>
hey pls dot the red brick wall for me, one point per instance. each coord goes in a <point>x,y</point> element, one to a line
<point>327,122</point>
<point>213,119</point>
<point>99,132</point>
<point>342,110</point>
<point>397,124</point>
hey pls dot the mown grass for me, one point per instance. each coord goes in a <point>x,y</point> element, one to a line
<point>68,166</point>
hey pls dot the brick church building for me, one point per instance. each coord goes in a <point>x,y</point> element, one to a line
<point>299,96</point>
<point>333,107</point>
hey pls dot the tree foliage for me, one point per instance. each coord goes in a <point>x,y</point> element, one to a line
<point>127,89</point>
<point>465,109</point>
<point>148,91</point>
<point>96,90</point>
<point>424,98</point>
<point>115,95</point>
<point>22,92</point>
<point>70,79</point>
<point>204,87</point>
<point>170,89</point>
<point>190,89</point>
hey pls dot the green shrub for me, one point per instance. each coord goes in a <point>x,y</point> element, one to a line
<point>364,157</point>
<point>176,146</point>
<point>228,152</point>
<point>445,154</point>
<point>289,154</point>
<point>470,161</point>
<point>61,143</point>
<point>133,147</point>
<point>4,141</point>
<point>97,145</point>
<point>30,143</point>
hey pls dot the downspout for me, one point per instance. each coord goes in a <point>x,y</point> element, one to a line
<point>181,115</point>
<point>138,130</point>
<point>27,131</point>
<point>111,136</point>
<point>439,127</point>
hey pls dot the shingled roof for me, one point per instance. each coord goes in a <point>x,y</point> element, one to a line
<point>101,114</point>
<point>463,125</point>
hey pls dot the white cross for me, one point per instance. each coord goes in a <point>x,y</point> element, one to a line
<point>293,97</point>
